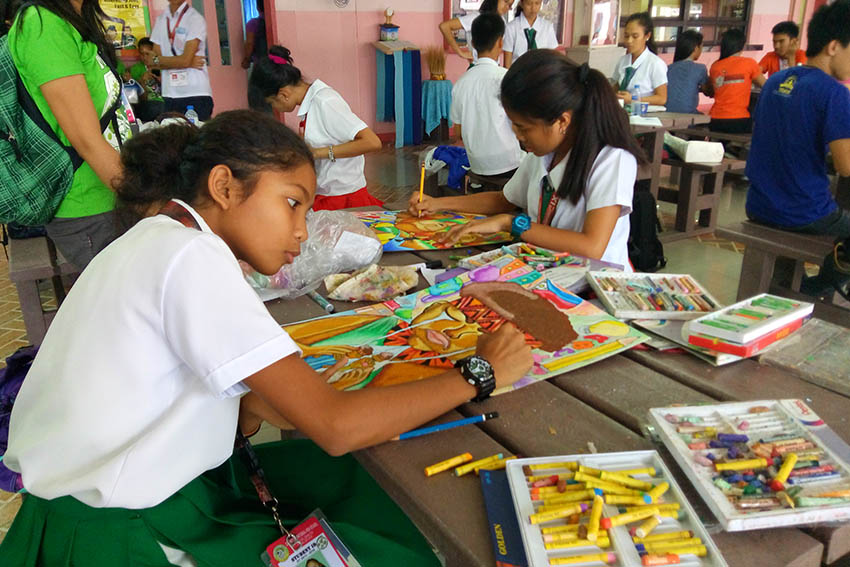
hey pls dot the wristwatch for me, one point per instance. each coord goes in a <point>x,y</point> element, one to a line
<point>155,61</point>
<point>520,224</point>
<point>478,373</point>
<point>331,155</point>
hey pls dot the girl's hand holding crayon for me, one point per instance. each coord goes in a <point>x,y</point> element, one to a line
<point>489,225</point>
<point>428,205</point>
<point>507,352</point>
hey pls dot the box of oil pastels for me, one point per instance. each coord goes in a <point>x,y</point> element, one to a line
<point>760,464</point>
<point>652,296</point>
<point>622,509</point>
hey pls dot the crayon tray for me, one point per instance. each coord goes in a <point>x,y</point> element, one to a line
<point>746,328</point>
<point>631,290</point>
<point>621,543</point>
<point>783,417</point>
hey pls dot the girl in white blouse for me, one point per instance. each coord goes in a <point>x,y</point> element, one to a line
<point>528,31</point>
<point>640,65</point>
<point>574,188</point>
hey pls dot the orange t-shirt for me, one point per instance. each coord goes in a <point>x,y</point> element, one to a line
<point>770,63</point>
<point>732,79</point>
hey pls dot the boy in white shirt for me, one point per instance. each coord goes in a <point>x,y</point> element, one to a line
<point>480,120</point>
<point>179,37</point>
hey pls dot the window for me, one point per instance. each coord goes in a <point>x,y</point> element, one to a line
<point>711,17</point>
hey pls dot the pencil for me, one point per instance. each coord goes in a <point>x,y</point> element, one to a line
<point>449,425</point>
<point>421,186</point>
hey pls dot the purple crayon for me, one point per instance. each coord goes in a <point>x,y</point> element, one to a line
<point>732,438</point>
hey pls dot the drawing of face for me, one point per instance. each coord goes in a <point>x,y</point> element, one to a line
<point>443,328</point>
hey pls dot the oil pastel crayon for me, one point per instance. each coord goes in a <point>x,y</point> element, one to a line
<point>658,491</point>
<point>595,517</point>
<point>697,549</point>
<point>617,499</point>
<point>647,526</point>
<point>561,512</point>
<point>606,557</point>
<point>777,484</point>
<point>563,528</point>
<point>668,536</point>
<point>497,466</point>
<point>654,560</point>
<point>627,518</point>
<point>469,467</point>
<point>569,465</point>
<point>601,542</point>
<point>625,480</point>
<point>447,464</point>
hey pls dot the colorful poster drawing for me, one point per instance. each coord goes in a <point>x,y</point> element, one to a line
<point>399,230</point>
<point>422,334</point>
<point>125,22</point>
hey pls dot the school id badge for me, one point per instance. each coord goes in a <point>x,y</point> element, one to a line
<point>312,543</point>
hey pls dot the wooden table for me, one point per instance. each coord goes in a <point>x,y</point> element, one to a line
<point>654,145</point>
<point>605,403</point>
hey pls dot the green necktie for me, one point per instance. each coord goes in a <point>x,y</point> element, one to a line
<point>529,36</point>
<point>627,76</point>
<point>546,193</point>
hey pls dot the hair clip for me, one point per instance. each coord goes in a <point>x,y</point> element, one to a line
<point>278,59</point>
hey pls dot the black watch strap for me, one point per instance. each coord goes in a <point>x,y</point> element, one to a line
<point>478,372</point>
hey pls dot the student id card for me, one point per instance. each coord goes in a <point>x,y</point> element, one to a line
<point>318,546</point>
<point>178,78</point>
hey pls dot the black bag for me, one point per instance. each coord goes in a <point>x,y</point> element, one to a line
<point>645,250</point>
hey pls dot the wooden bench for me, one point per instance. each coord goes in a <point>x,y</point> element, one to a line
<point>485,182</point>
<point>698,192</point>
<point>32,260</point>
<point>765,245</point>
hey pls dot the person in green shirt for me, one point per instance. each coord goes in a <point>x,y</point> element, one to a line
<point>151,103</point>
<point>66,64</point>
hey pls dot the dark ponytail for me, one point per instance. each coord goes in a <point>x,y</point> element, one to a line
<point>645,21</point>
<point>173,162</point>
<point>270,74</point>
<point>488,6</point>
<point>543,84</point>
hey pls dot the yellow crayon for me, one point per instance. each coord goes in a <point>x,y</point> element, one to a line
<point>627,518</point>
<point>649,471</point>
<point>696,549</point>
<point>593,482</point>
<point>572,496</point>
<point>617,499</point>
<point>647,526</point>
<point>469,467</point>
<point>560,529</point>
<point>667,507</point>
<point>786,468</point>
<point>497,466</point>
<point>589,558</point>
<point>589,470</point>
<point>559,537</point>
<point>447,464</point>
<point>560,512</point>
<point>625,480</point>
<point>658,546</point>
<point>569,465</point>
<point>741,465</point>
<point>668,536</point>
<point>536,477</point>
<point>602,542</point>
<point>557,505</point>
<point>595,516</point>
<point>658,491</point>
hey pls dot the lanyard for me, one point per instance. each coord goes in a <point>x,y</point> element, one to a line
<point>173,32</point>
<point>548,202</point>
<point>181,214</point>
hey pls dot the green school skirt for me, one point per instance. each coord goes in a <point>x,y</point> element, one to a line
<point>218,519</point>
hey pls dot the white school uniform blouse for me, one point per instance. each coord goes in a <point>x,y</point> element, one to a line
<point>490,143</point>
<point>330,122</point>
<point>650,72</point>
<point>135,390</point>
<point>516,42</point>
<point>611,182</point>
<point>466,23</point>
<point>182,83</point>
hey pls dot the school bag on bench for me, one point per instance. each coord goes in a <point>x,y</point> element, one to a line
<point>11,378</point>
<point>36,169</point>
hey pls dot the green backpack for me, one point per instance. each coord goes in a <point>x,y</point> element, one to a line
<point>36,169</point>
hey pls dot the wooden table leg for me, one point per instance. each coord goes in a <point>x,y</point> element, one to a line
<point>689,183</point>
<point>31,309</point>
<point>756,272</point>
<point>712,185</point>
<point>656,149</point>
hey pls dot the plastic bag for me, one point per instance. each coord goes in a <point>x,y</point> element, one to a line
<point>337,242</point>
<point>375,283</point>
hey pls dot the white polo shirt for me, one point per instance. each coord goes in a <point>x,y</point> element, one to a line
<point>515,41</point>
<point>330,122</point>
<point>490,143</point>
<point>610,182</point>
<point>135,390</point>
<point>466,23</point>
<point>650,72</point>
<point>182,83</point>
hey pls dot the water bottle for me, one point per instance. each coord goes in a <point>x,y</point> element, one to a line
<point>191,115</point>
<point>635,92</point>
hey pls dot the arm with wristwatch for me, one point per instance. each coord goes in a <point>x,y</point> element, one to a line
<point>186,60</point>
<point>591,241</point>
<point>364,142</point>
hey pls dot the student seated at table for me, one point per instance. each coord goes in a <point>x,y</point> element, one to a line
<point>479,118</point>
<point>640,66</point>
<point>449,27</point>
<point>685,77</point>
<point>802,113</point>
<point>575,186</point>
<point>786,49</point>
<point>337,137</point>
<point>732,77</point>
<point>125,425</point>
<point>527,31</point>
